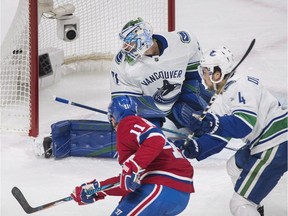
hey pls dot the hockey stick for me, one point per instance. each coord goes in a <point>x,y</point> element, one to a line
<point>213,98</point>
<point>66,101</point>
<point>29,210</point>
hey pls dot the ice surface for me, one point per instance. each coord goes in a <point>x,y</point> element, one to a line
<point>233,23</point>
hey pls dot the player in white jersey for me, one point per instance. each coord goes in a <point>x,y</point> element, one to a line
<point>160,65</point>
<point>243,109</point>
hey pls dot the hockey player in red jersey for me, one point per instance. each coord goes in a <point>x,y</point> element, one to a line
<point>156,179</point>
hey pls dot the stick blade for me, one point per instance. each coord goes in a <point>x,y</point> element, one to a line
<point>22,200</point>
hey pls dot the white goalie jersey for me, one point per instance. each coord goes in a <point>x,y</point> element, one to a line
<point>245,98</point>
<point>160,77</point>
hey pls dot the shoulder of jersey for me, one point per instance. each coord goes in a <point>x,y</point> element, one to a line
<point>240,80</point>
<point>228,84</point>
<point>184,36</point>
<point>131,120</point>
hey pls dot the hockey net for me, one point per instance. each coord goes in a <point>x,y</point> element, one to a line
<point>33,50</point>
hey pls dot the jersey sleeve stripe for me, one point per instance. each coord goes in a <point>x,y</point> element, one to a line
<point>125,93</point>
<point>220,137</point>
<point>245,111</point>
<point>192,67</point>
<point>151,132</point>
<point>248,117</point>
<point>276,129</point>
<point>169,175</point>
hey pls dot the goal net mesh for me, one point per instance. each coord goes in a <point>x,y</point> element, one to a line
<point>100,22</point>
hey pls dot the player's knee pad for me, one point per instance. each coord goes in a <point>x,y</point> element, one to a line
<point>240,206</point>
<point>232,169</point>
<point>147,109</point>
<point>193,93</point>
<point>205,93</point>
<point>182,113</point>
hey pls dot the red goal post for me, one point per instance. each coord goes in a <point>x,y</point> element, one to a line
<point>40,25</point>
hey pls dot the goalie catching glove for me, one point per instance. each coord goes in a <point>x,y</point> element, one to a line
<point>88,193</point>
<point>130,176</point>
<point>191,118</point>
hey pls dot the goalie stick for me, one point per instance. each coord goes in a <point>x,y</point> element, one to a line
<point>29,210</point>
<point>213,98</point>
<point>66,101</point>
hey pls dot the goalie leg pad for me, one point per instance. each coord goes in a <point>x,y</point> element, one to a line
<point>60,132</point>
<point>84,138</point>
<point>182,113</point>
<point>147,108</point>
<point>194,94</point>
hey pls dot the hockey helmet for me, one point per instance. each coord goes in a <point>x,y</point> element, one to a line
<point>221,59</point>
<point>137,39</point>
<point>121,107</point>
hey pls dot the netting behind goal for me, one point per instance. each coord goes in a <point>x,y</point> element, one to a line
<point>31,49</point>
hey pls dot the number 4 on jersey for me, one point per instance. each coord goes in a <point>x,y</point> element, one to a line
<point>241,99</point>
<point>250,79</point>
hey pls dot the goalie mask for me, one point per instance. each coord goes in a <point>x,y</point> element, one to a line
<point>220,59</point>
<point>121,107</point>
<point>137,39</point>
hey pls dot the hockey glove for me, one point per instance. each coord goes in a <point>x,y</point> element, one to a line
<point>191,149</point>
<point>130,176</point>
<point>179,143</point>
<point>208,125</point>
<point>87,193</point>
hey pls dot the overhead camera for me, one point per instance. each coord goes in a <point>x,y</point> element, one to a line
<point>68,27</point>
<point>67,23</point>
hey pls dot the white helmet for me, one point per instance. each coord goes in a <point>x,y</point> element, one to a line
<point>222,58</point>
<point>137,38</point>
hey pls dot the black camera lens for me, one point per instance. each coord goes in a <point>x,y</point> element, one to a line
<point>71,34</point>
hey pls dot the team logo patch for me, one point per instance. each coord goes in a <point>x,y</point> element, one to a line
<point>184,36</point>
<point>119,57</point>
<point>213,53</point>
<point>167,87</point>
